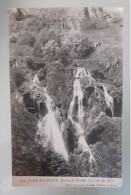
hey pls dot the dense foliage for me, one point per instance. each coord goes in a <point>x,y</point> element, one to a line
<point>26,38</point>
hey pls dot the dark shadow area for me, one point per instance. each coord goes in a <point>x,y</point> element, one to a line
<point>118,107</point>
<point>95,135</point>
<point>108,112</point>
<point>88,92</point>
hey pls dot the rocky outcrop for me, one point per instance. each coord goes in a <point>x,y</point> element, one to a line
<point>106,142</point>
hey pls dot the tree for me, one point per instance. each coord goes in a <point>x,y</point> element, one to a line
<point>77,45</point>
<point>19,15</point>
<point>51,50</point>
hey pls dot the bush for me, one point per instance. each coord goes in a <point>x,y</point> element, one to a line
<point>26,38</point>
<point>19,15</point>
<point>37,51</point>
<point>77,45</point>
<point>16,27</point>
<point>34,24</point>
<point>14,38</point>
<point>20,50</point>
<point>18,77</point>
<point>51,51</point>
<point>42,39</point>
<point>35,65</point>
<point>72,45</point>
<point>49,34</point>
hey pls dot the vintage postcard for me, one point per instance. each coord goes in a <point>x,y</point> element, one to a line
<point>66,96</point>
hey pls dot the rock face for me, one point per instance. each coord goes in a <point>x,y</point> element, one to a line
<point>96,13</point>
<point>105,139</point>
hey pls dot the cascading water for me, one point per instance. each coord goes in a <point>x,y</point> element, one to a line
<point>109,100</point>
<point>35,79</point>
<point>77,93</point>
<point>48,127</point>
<point>80,73</point>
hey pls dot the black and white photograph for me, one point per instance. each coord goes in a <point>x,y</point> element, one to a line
<point>66,83</point>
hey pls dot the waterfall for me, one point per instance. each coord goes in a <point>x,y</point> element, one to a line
<point>77,93</point>
<point>35,79</point>
<point>109,100</point>
<point>80,73</point>
<point>49,128</point>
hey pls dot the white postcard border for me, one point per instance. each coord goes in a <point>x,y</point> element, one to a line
<point>66,181</point>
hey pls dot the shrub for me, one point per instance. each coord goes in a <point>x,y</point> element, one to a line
<point>14,38</point>
<point>34,24</point>
<point>51,51</point>
<point>16,27</point>
<point>18,77</point>
<point>19,15</point>
<point>37,51</point>
<point>77,45</point>
<point>26,38</point>
<point>20,50</point>
<point>42,39</point>
<point>35,64</point>
<point>72,45</point>
<point>49,34</point>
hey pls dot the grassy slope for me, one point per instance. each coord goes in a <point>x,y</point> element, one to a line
<point>111,42</point>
